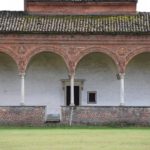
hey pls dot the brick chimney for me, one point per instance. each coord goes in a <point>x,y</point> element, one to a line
<point>80,7</point>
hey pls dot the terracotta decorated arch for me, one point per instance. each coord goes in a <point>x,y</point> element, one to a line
<point>52,49</point>
<point>11,53</point>
<point>103,50</point>
<point>135,53</point>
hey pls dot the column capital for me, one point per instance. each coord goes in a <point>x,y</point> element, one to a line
<point>120,76</point>
<point>22,74</point>
<point>71,75</point>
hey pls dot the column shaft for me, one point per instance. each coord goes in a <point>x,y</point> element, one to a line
<point>122,91</point>
<point>22,89</point>
<point>72,89</point>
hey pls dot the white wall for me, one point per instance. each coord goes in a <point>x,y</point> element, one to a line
<point>137,81</point>
<point>99,72</point>
<point>45,71</point>
<point>43,82</point>
<point>9,82</point>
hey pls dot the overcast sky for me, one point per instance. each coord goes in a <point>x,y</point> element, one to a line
<point>143,5</point>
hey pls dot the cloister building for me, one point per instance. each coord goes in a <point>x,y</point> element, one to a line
<point>75,61</point>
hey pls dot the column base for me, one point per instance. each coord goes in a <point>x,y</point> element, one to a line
<point>72,105</point>
<point>22,104</point>
<point>122,104</point>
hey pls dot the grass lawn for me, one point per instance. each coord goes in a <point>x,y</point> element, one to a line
<point>74,139</point>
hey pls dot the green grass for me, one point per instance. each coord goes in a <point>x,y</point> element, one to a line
<point>74,139</point>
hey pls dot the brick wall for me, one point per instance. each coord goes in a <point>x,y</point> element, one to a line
<point>80,8</point>
<point>107,115</point>
<point>22,115</point>
<point>35,115</point>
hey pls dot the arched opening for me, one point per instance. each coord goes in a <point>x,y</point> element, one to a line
<point>137,81</point>
<point>43,81</point>
<point>9,81</point>
<point>99,73</point>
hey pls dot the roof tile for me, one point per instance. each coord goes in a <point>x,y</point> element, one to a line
<point>22,22</point>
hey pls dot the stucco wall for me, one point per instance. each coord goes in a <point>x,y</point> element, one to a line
<point>99,72</point>
<point>137,81</point>
<point>9,81</point>
<point>43,82</point>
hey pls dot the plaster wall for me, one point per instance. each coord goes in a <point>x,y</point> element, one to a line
<point>45,71</point>
<point>43,82</point>
<point>9,82</point>
<point>99,72</point>
<point>137,81</point>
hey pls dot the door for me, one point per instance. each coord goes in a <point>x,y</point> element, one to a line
<point>76,95</point>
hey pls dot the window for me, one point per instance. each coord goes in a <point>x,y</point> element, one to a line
<point>91,97</point>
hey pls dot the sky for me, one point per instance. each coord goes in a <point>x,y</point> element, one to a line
<point>143,5</point>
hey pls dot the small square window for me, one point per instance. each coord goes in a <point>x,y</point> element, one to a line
<point>91,97</point>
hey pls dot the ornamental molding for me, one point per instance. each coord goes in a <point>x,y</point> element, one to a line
<point>22,65</point>
<point>22,50</point>
<point>122,51</point>
<point>10,52</point>
<point>72,54</point>
<point>136,52</point>
<point>96,49</point>
<point>70,39</point>
<point>58,50</point>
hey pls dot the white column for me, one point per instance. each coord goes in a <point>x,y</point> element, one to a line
<point>72,89</point>
<point>22,89</point>
<point>122,94</point>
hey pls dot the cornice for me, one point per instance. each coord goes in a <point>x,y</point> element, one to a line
<point>78,39</point>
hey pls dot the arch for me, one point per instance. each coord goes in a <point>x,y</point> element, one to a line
<point>98,50</point>
<point>10,82</point>
<point>98,70</point>
<point>43,80</point>
<point>11,54</point>
<point>137,78</point>
<point>55,50</point>
<point>135,53</point>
